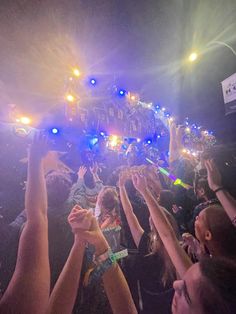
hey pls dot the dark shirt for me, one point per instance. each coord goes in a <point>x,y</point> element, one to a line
<point>155,296</point>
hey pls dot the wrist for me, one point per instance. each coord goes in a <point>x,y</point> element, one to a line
<point>79,242</point>
<point>218,189</point>
<point>101,246</point>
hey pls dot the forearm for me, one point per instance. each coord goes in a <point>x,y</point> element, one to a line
<point>179,258</point>
<point>228,202</point>
<point>64,293</point>
<point>158,215</point>
<point>134,225</point>
<point>117,291</point>
<point>36,195</point>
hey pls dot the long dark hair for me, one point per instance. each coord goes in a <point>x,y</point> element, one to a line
<point>157,247</point>
<point>218,285</point>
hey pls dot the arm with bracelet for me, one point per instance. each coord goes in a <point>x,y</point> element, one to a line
<point>215,183</point>
<point>115,284</point>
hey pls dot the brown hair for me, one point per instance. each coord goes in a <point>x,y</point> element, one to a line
<point>157,247</point>
<point>108,201</point>
<point>218,285</point>
<point>222,230</point>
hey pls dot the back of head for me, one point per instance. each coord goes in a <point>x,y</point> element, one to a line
<point>218,285</point>
<point>223,232</point>
<point>108,200</point>
<point>58,188</point>
<point>202,183</point>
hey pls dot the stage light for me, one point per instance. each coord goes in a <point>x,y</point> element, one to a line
<point>171,119</point>
<point>158,136</point>
<point>187,130</point>
<point>54,131</point>
<point>193,57</point>
<point>121,92</point>
<point>163,109</point>
<point>93,82</point>
<point>102,133</point>
<point>132,97</point>
<point>167,115</point>
<point>149,141</point>
<point>138,140</point>
<point>94,141</point>
<point>70,98</point>
<point>113,140</point>
<point>76,72</point>
<point>25,120</point>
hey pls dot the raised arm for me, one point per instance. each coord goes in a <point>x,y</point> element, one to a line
<point>178,256</point>
<point>135,228</point>
<point>116,287</point>
<point>28,290</point>
<point>215,183</point>
<point>64,294</point>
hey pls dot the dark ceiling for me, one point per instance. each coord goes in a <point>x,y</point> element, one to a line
<point>141,45</point>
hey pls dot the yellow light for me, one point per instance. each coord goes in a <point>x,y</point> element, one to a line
<point>187,130</point>
<point>193,57</point>
<point>76,72</point>
<point>133,98</point>
<point>25,120</point>
<point>113,140</point>
<point>70,98</point>
<point>171,119</point>
<point>184,150</point>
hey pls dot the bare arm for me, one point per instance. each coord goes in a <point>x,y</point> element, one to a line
<point>135,228</point>
<point>116,287</point>
<point>64,293</point>
<point>28,290</point>
<point>215,182</point>
<point>178,256</point>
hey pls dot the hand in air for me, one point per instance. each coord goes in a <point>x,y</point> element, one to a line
<point>94,169</point>
<point>39,146</point>
<point>213,175</point>
<point>81,172</point>
<point>139,182</point>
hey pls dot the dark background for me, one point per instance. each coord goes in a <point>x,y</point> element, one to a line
<point>139,45</point>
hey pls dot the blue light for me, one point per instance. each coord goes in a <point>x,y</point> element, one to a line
<point>158,136</point>
<point>54,131</point>
<point>94,141</point>
<point>121,92</point>
<point>149,141</point>
<point>102,133</point>
<point>157,107</point>
<point>167,115</point>
<point>93,81</point>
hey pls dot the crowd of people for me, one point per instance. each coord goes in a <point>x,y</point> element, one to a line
<point>134,242</point>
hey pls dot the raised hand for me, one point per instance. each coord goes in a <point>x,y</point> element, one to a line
<point>94,169</point>
<point>123,176</point>
<point>140,182</point>
<point>213,175</point>
<point>79,219</point>
<point>39,146</point>
<point>81,172</point>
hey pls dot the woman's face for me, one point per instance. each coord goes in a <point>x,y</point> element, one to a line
<point>186,299</point>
